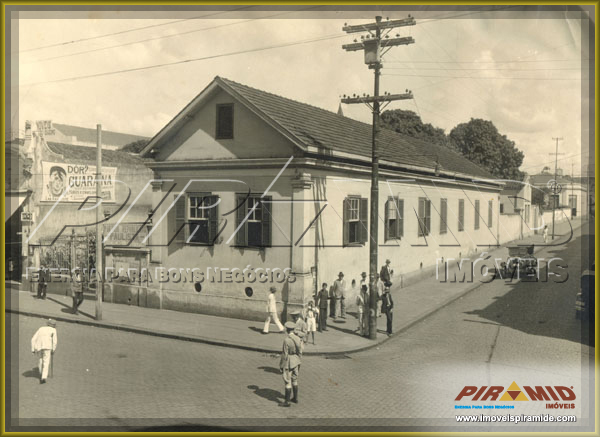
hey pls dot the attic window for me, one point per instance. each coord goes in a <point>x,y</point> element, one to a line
<point>225,121</point>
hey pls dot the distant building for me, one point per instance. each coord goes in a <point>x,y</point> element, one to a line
<point>81,136</point>
<point>572,194</point>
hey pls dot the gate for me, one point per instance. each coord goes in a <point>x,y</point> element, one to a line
<point>76,250</point>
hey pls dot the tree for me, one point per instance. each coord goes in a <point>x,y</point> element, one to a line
<point>480,142</point>
<point>135,147</point>
<point>410,124</point>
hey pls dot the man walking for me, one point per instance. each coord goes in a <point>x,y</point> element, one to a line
<point>43,343</point>
<point>272,312</point>
<point>387,306</point>
<point>339,292</point>
<point>77,290</point>
<point>322,299</point>
<point>289,364</point>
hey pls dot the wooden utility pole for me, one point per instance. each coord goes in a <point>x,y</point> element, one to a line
<point>375,46</point>
<point>555,188</point>
<point>99,218</point>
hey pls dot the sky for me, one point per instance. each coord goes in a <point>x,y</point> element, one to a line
<point>522,70</point>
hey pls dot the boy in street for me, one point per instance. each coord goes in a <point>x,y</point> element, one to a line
<point>43,343</point>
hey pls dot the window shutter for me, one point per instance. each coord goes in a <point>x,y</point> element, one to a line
<point>240,213</point>
<point>266,221</point>
<point>386,227</point>
<point>400,219</point>
<point>213,218</point>
<point>364,220</point>
<point>427,216</point>
<point>490,214</point>
<point>420,220</point>
<point>346,216</point>
<point>180,206</point>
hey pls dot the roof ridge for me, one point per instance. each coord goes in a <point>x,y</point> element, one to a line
<point>291,100</point>
<point>103,130</point>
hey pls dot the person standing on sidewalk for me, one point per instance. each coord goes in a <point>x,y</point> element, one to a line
<point>289,364</point>
<point>43,343</point>
<point>386,273</point>
<point>380,290</point>
<point>339,292</point>
<point>272,312</point>
<point>322,298</point>
<point>77,290</point>
<point>42,285</point>
<point>545,233</point>
<point>387,306</point>
<point>360,304</point>
<point>312,314</point>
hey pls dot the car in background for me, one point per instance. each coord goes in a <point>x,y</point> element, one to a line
<point>586,298</point>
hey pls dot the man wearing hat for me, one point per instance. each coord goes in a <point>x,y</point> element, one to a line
<point>301,329</point>
<point>289,364</point>
<point>77,290</point>
<point>339,293</point>
<point>272,312</point>
<point>43,343</point>
<point>386,274</point>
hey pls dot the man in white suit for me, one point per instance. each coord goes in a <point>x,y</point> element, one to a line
<point>43,343</point>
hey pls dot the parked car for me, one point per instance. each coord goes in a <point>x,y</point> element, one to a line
<point>586,298</point>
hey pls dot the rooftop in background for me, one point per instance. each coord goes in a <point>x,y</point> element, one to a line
<point>78,154</point>
<point>81,136</point>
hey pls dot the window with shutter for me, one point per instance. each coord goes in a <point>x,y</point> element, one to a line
<point>424,219</point>
<point>490,213</point>
<point>476,226</point>
<point>180,219</point>
<point>461,215</point>
<point>400,218</point>
<point>256,231</point>
<point>224,122</point>
<point>443,216</point>
<point>364,220</point>
<point>356,222</point>
<point>200,210</point>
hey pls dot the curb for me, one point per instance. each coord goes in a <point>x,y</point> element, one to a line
<point>142,331</point>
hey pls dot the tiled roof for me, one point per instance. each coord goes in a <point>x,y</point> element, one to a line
<point>89,135</point>
<point>73,153</point>
<point>543,179</point>
<point>329,131</point>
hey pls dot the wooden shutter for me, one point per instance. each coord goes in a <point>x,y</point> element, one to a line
<point>427,216</point>
<point>421,214</point>
<point>443,216</point>
<point>386,227</point>
<point>461,215</point>
<point>224,121</point>
<point>364,220</point>
<point>400,219</point>
<point>213,218</point>
<point>346,216</point>
<point>266,221</point>
<point>490,214</point>
<point>240,213</point>
<point>476,226</point>
<point>180,207</point>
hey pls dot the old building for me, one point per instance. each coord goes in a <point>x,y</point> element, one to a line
<point>58,213</point>
<point>245,179</point>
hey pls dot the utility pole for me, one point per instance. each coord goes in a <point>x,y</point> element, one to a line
<point>375,45</point>
<point>572,193</point>
<point>555,188</point>
<point>99,218</point>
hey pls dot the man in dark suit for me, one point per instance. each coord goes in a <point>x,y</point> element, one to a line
<point>386,274</point>
<point>387,305</point>
<point>322,298</point>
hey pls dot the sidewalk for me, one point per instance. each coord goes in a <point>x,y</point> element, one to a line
<point>411,305</point>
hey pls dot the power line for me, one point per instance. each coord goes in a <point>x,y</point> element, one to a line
<point>430,20</point>
<point>157,38</point>
<point>128,30</point>
<point>514,61</point>
<point>483,69</point>
<point>258,49</point>
<point>488,77</point>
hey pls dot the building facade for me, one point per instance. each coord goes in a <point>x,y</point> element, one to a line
<point>246,180</point>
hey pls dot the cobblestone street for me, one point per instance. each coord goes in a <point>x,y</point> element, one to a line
<point>497,334</point>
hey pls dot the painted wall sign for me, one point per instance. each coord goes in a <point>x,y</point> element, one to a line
<point>82,181</point>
